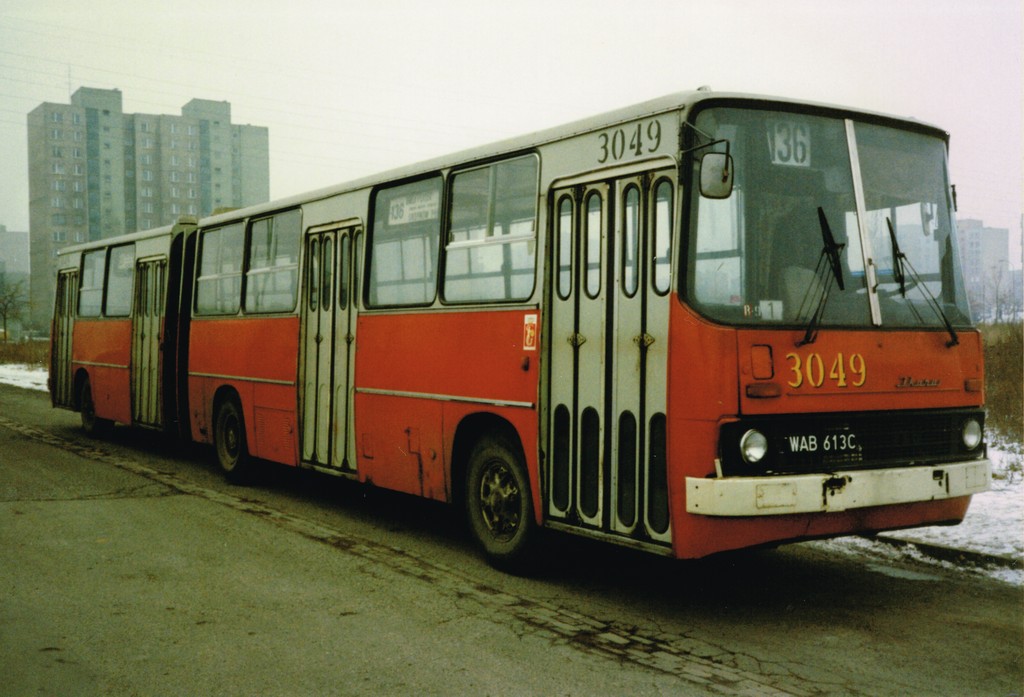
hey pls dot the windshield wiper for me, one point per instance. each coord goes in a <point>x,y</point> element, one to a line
<point>900,263</point>
<point>828,261</point>
<point>831,248</point>
<point>898,257</point>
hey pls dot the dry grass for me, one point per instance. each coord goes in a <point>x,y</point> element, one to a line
<point>35,353</point>
<point>1004,379</point>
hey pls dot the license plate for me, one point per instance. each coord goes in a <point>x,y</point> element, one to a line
<point>845,442</point>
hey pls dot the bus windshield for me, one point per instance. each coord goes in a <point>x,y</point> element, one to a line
<point>830,221</point>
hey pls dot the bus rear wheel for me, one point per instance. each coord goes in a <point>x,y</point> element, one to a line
<point>499,505</point>
<point>229,441</point>
<point>91,424</point>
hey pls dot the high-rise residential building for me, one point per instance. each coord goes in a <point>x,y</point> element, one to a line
<point>985,256</point>
<point>14,255</point>
<point>96,172</point>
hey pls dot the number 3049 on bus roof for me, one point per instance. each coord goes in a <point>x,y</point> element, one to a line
<point>629,141</point>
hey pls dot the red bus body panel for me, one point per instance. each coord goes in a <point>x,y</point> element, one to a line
<point>102,348</point>
<point>258,358</point>
<point>419,375</point>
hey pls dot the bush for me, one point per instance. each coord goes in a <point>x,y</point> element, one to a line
<point>1004,379</point>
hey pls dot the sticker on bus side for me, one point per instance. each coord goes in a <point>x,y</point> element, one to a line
<point>530,332</point>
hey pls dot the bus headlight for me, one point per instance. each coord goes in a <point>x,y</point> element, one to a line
<point>753,446</point>
<point>971,434</point>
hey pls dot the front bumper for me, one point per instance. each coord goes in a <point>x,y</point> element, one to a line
<point>835,491</point>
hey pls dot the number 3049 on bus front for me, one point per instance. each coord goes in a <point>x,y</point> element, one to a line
<point>841,371</point>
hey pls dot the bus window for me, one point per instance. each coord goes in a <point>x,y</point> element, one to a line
<point>662,261</point>
<point>90,294</point>
<point>219,286</point>
<point>631,242</point>
<point>492,236</point>
<point>119,281</point>
<point>272,278</point>
<point>565,247</point>
<point>592,240</point>
<point>404,244</point>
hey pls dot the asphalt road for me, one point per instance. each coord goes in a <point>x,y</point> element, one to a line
<point>128,566</point>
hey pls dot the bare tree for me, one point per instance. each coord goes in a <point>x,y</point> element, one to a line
<point>13,302</point>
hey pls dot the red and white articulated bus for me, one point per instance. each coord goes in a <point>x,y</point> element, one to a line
<point>698,324</point>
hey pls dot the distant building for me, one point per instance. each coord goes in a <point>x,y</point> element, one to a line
<point>14,264</point>
<point>97,172</point>
<point>985,256</point>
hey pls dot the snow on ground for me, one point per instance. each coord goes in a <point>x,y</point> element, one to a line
<point>26,376</point>
<point>994,524</point>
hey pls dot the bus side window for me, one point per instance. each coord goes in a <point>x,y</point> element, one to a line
<point>404,244</point>
<point>119,281</point>
<point>272,277</point>
<point>219,285</point>
<point>90,293</point>
<point>491,244</point>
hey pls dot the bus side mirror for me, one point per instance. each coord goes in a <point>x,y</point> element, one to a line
<point>716,175</point>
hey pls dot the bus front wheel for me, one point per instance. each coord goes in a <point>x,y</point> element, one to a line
<point>229,440</point>
<point>498,504</point>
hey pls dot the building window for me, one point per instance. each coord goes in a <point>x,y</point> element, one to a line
<point>76,119</point>
<point>57,202</point>
<point>57,168</point>
<point>57,117</point>
<point>57,151</point>
<point>56,134</point>
<point>59,235</point>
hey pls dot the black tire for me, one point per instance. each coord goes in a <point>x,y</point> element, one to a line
<point>499,506</point>
<point>229,441</point>
<point>93,425</point>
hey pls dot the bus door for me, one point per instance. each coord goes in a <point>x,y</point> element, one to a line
<point>147,341</point>
<point>63,329</point>
<point>328,346</point>
<point>609,318</point>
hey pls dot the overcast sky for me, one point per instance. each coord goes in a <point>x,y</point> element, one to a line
<point>348,88</point>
